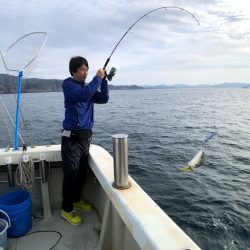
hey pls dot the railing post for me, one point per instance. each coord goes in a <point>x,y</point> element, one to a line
<point>120,154</point>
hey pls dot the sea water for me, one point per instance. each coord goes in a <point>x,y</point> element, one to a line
<point>166,128</point>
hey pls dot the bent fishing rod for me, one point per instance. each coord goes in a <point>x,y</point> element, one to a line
<point>138,20</point>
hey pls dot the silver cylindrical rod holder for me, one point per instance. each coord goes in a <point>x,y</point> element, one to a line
<point>10,175</point>
<point>43,171</point>
<point>120,153</point>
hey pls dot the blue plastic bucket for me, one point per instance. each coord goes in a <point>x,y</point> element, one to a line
<point>4,225</point>
<point>17,205</point>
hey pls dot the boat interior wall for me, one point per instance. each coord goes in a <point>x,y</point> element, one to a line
<point>114,234</point>
<point>54,186</point>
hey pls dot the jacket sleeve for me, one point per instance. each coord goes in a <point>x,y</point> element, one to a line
<point>103,95</point>
<point>76,93</point>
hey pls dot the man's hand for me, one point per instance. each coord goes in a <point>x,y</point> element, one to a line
<point>100,73</point>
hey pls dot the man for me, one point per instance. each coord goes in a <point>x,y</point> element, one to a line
<point>79,99</point>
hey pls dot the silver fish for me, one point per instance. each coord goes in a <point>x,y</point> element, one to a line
<point>195,162</point>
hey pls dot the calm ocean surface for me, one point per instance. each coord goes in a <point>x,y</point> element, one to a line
<point>166,129</point>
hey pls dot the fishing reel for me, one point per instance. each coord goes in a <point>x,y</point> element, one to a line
<point>111,73</point>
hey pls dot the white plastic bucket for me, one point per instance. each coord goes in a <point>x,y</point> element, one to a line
<point>4,225</point>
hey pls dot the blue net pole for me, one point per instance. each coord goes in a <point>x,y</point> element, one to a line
<point>20,77</point>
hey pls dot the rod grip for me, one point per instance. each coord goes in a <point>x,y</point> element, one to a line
<point>106,63</point>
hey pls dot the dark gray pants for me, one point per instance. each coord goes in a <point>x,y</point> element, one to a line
<point>75,151</point>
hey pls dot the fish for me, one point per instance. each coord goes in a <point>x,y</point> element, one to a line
<point>196,162</point>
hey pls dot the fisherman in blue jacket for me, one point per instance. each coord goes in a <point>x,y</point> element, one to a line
<point>79,99</point>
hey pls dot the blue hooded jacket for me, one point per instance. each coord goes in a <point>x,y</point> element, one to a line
<point>79,99</point>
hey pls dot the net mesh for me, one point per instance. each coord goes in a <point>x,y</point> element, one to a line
<point>23,52</point>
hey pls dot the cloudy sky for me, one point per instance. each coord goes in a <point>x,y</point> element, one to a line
<point>166,47</point>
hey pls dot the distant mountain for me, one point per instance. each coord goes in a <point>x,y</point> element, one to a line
<point>8,84</point>
<point>123,87</point>
<point>178,86</point>
<point>232,85</point>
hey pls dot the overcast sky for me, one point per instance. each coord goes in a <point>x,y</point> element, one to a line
<point>166,47</point>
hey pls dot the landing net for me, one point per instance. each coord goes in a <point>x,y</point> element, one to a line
<point>19,57</point>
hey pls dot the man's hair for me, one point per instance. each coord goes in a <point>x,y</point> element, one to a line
<point>76,62</point>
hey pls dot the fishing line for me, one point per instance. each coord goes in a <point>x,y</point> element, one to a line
<point>7,125</point>
<point>139,19</point>
<point>6,121</point>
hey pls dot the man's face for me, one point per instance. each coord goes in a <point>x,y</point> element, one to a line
<point>81,74</point>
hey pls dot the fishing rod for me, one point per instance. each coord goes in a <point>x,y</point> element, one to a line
<point>138,20</point>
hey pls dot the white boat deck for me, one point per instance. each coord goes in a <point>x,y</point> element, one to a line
<point>84,236</point>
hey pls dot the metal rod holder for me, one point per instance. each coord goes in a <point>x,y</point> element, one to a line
<point>120,153</point>
<point>43,171</point>
<point>10,175</point>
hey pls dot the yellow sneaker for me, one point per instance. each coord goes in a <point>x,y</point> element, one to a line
<point>71,217</point>
<point>83,206</point>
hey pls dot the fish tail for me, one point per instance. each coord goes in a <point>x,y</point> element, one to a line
<point>186,168</point>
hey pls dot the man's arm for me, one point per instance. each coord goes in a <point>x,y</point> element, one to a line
<point>76,93</point>
<point>103,95</point>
